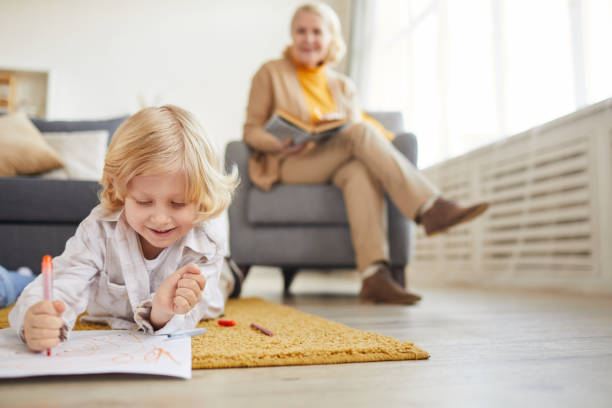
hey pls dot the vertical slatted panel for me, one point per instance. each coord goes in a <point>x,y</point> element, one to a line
<point>543,224</point>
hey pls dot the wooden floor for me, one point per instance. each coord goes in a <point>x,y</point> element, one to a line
<point>489,348</point>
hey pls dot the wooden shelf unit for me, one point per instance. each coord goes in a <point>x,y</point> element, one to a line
<point>8,92</point>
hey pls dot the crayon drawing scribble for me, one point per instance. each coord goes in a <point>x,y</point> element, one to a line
<point>157,353</point>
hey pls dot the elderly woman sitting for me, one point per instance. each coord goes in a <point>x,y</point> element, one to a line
<point>359,159</point>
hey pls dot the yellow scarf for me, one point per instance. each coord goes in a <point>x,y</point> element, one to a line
<point>318,98</point>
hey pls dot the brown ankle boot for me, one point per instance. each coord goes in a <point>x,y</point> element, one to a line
<point>381,288</point>
<point>445,214</point>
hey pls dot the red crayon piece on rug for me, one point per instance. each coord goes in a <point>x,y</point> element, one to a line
<point>47,272</point>
<point>226,322</point>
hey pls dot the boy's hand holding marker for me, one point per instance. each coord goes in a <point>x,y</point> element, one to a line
<point>177,294</point>
<point>43,321</point>
<point>42,324</point>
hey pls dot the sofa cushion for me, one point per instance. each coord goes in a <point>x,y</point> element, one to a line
<point>23,149</point>
<point>82,152</point>
<point>33,199</point>
<point>297,204</point>
<point>110,125</point>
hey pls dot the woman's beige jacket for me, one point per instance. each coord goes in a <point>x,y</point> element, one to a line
<point>276,86</point>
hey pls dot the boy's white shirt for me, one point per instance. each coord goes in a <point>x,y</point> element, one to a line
<point>102,270</point>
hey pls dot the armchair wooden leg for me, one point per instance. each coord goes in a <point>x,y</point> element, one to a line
<point>398,274</point>
<point>288,276</point>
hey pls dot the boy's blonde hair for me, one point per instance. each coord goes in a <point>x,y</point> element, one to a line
<point>337,46</point>
<point>166,139</point>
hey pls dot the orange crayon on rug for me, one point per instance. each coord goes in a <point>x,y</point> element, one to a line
<point>47,272</point>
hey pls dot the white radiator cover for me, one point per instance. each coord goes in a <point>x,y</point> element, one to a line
<point>549,225</point>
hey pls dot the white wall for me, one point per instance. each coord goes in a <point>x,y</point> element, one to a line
<point>105,58</point>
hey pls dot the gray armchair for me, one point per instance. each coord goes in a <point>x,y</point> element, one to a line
<point>305,226</point>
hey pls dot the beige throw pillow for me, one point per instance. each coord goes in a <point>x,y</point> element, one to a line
<point>23,149</point>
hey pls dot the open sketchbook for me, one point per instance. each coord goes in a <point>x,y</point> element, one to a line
<point>285,125</point>
<point>98,352</point>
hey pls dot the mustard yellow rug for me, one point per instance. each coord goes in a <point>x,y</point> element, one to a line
<point>298,339</point>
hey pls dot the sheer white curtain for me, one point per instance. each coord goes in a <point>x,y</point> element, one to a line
<point>467,72</point>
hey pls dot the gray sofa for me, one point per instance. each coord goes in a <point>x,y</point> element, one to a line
<point>37,216</point>
<point>305,226</point>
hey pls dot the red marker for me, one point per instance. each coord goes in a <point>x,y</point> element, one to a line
<point>226,322</point>
<point>47,272</point>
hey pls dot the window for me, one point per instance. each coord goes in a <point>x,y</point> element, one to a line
<point>466,73</point>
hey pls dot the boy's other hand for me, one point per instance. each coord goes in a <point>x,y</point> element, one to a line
<point>177,294</point>
<point>42,324</point>
<point>188,289</point>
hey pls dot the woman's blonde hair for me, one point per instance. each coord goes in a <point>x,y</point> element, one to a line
<point>167,139</point>
<point>337,46</point>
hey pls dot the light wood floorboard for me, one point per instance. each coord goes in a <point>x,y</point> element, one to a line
<point>489,348</point>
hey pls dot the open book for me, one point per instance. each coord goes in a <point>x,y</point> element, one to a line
<point>285,125</point>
